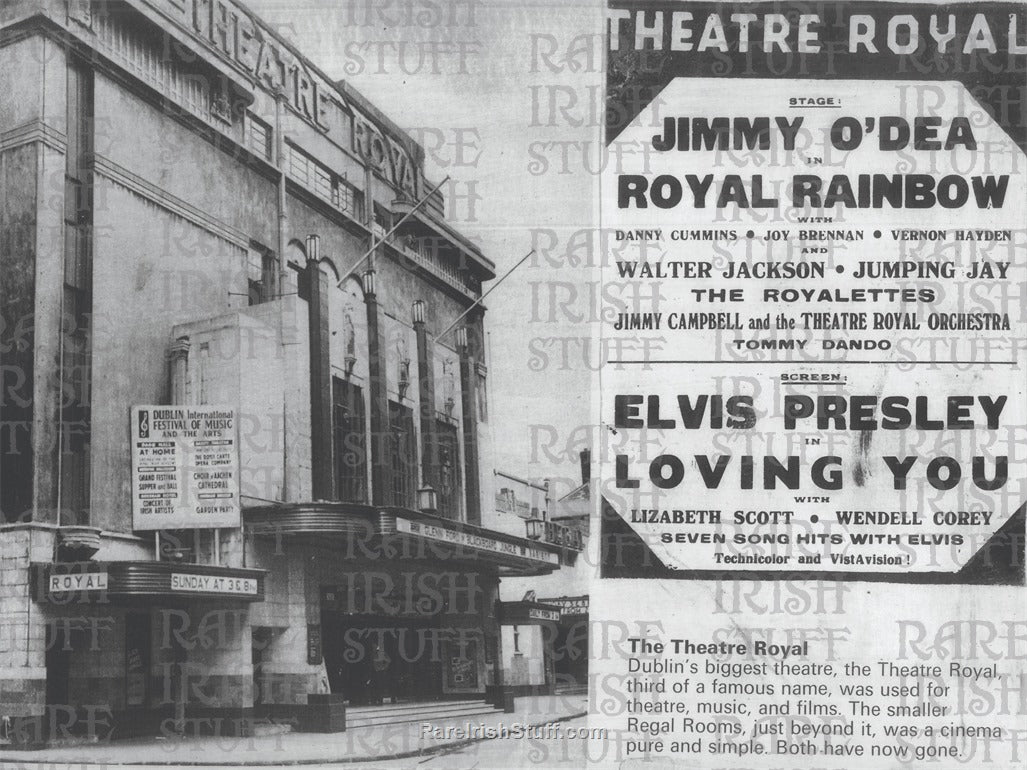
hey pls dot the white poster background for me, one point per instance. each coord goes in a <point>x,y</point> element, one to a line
<point>185,467</point>
<point>927,363</point>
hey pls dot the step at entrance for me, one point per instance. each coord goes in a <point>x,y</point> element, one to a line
<point>434,711</point>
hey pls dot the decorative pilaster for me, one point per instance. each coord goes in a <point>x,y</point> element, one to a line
<point>178,370</point>
<point>426,402</point>
<point>467,346</point>
<point>322,447</point>
<point>381,461</point>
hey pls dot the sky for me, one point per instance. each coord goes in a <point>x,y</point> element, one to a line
<point>505,96</point>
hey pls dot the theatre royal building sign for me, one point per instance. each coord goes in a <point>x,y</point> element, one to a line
<point>232,33</point>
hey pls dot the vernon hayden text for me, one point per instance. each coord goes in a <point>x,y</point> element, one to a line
<point>860,413</point>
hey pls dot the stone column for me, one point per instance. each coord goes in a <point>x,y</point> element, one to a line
<point>467,347</point>
<point>178,365</point>
<point>381,462</point>
<point>426,391</point>
<point>322,466</point>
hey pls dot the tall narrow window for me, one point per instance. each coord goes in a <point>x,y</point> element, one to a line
<point>403,450</point>
<point>76,322</point>
<point>258,136</point>
<point>262,270</point>
<point>449,470</point>
<point>350,442</point>
<point>268,269</point>
<point>382,221</point>
<point>482,393</point>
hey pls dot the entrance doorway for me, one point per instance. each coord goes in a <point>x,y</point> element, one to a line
<point>571,646</point>
<point>375,659</point>
<point>58,666</point>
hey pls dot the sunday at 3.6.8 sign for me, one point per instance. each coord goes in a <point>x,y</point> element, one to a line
<point>185,467</point>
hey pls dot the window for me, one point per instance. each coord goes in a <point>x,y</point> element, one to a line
<point>449,470</point>
<point>339,192</point>
<point>403,451</point>
<point>382,222</point>
<point>352,201</point>
<point>258,136</point>
<point>350,442</point>
<point>324,183</point>
<point>145,54</point>
<point>517,639</point>
<point>203,373</point>
<point>299,167</point>
<point>76,363</point>
<point>262,269</point>
<point>482,394</point>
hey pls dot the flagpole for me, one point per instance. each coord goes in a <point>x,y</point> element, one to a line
<point>492,288</point>
<point>395,227</point>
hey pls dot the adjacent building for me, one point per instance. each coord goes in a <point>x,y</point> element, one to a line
<point>202,231</point>
<point>544,619</point>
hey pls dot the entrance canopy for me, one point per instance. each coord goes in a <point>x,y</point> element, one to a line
<point>62,583</point>
<point>401,533</point>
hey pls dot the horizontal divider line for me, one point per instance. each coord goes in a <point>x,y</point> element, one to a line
<point>816,361</point>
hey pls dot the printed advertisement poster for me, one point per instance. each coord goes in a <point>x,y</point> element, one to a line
<point>185,466</point>
<point>815,387</point>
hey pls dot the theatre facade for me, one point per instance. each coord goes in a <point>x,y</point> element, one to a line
<point>246,463</point>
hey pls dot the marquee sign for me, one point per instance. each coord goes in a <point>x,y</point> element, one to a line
<point>570,605</point>
<point>434,532</point>
<point>88,582</point>
<point>539,614</point>
<point>525,613</point>
<point>76,582</point>
<point>213,584</point>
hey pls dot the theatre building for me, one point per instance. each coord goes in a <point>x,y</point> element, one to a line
<point>246,470</point>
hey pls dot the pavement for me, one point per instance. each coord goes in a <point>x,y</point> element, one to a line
<point>544,727</point>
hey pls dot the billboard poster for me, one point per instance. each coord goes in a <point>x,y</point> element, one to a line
<point>814,387</point>
<point>819,369</point>
<point>185,467</point>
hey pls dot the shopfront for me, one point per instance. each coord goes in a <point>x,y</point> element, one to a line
<point>143,648</point>
<point>400,606</point>
<point>529,629</point>
<point>570,643</point>
<point>424,646</point>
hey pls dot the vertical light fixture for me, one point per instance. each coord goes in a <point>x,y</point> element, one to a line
<point>534,526</point>
<point>368,279</point>
<point>313,247</point>
<point>427,499</point>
